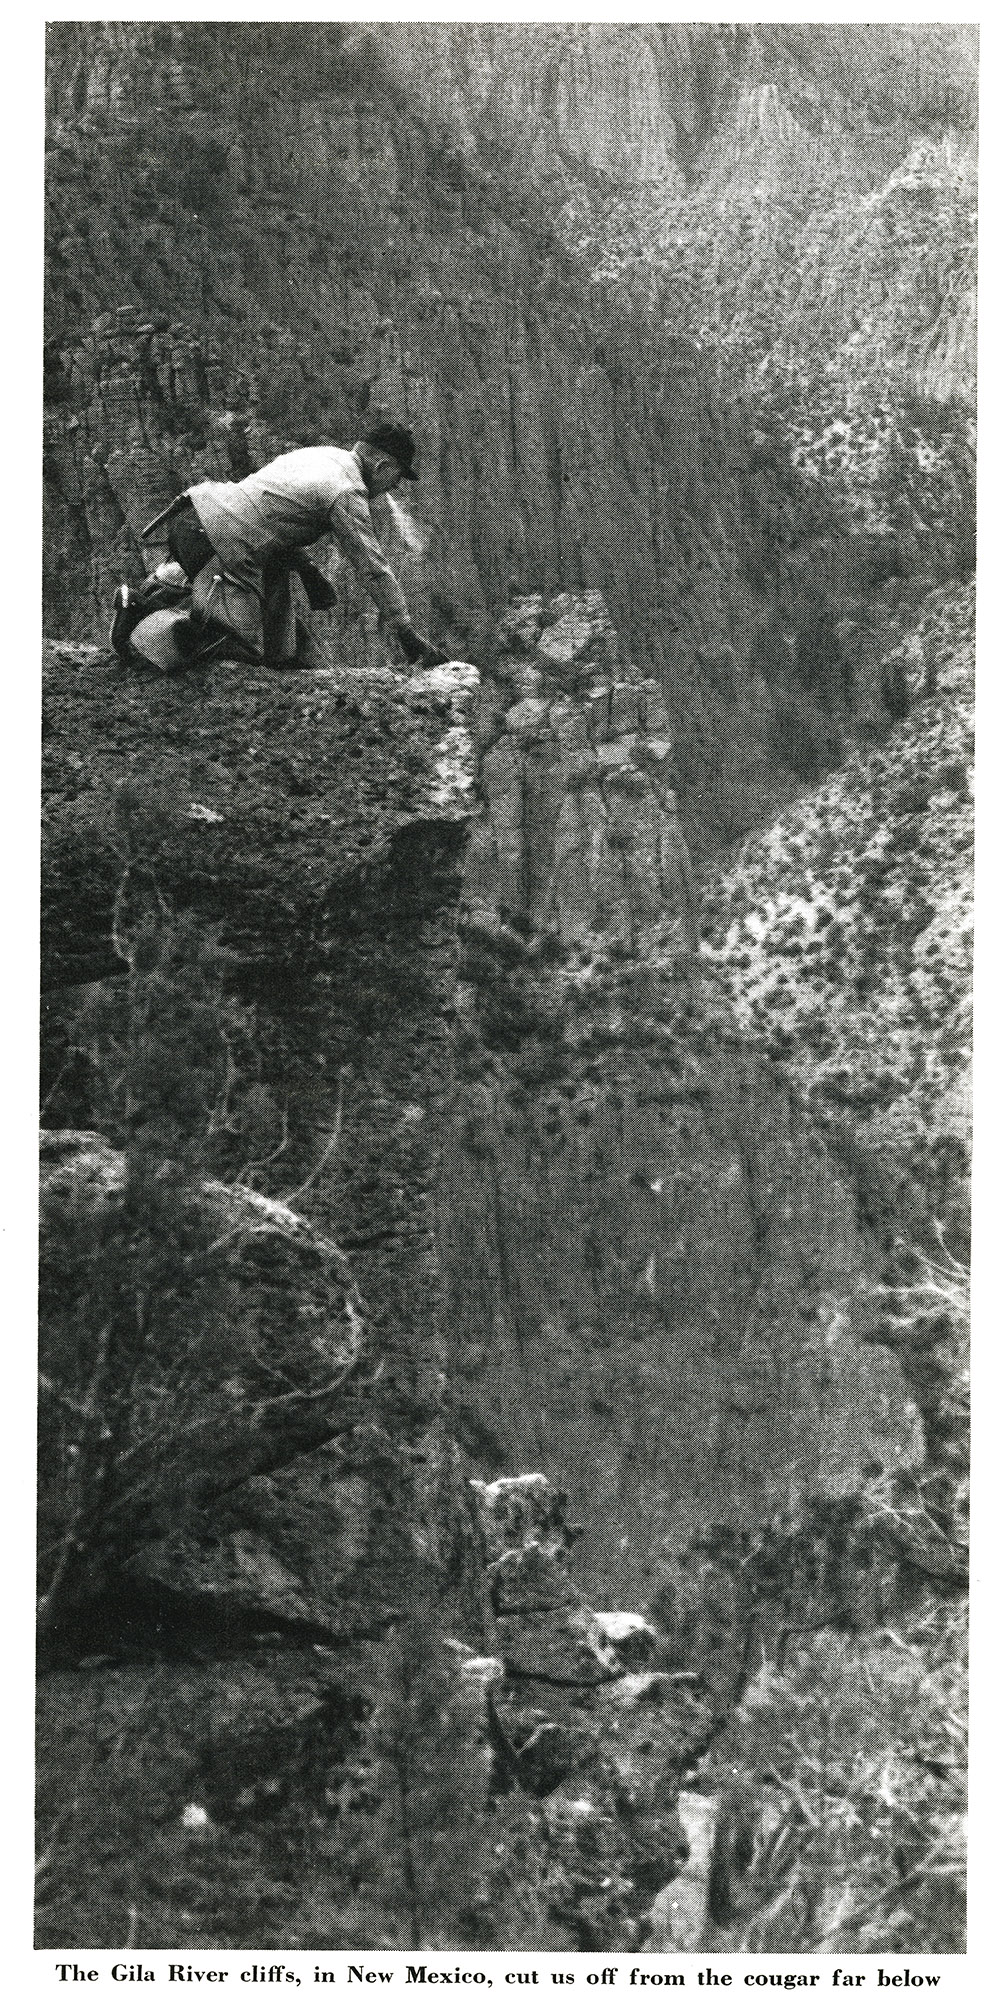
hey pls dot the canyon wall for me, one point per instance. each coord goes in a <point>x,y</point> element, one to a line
<point>233,267</point>
<point>658,1284</point>
<point>527,1196</point>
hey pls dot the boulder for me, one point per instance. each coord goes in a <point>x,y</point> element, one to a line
<point>253,1332</point>
<point>544,1760</point>
<point>518,1512</point>
<point>622,1639</point>
<point>529,1579</point>
<point>528,718</point>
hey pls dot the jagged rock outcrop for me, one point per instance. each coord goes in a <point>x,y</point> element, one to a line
<point>299,792</point>
<point>583,1721</point>
<point>656,1279</point>
<point>291,1517</point>
<point>249,269</point>
<point>579,835</point>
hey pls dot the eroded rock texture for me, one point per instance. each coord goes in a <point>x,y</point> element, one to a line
<point>296,1572</point>
<point>656,1276</point>
<point>246,267</point>
<point>409,1165</point>
<point>272,1481</point>
<point>580,833</point>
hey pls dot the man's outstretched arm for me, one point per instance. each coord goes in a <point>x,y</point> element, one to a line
<point>350,519</point>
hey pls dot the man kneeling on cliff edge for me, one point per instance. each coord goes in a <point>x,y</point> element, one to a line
<point>240,543</point>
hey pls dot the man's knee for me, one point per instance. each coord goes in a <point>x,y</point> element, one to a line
<point>227,614</point>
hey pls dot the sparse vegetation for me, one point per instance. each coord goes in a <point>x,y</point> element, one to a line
<point>854,1755</point>
<point>690,1238</point>
<point>876,863</point>
<point>411,1825</point>
<point>835,1639</point>
<point>153,1343</point>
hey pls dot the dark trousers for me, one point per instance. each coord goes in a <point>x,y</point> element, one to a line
<point>188,542</point>
<point>284,636</point>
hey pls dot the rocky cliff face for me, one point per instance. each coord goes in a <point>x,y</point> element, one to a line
<point>799,201</point>
<point>418,1122</point>
<point>655,1270</point>
<point>540,1203</point>
<point>275,1457</point>
<point>287,263</point>
<point>844,931</point>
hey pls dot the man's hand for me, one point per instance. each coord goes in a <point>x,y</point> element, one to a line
<point>418,650</point>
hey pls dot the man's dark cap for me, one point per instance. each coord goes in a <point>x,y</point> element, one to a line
<point>398,441</point>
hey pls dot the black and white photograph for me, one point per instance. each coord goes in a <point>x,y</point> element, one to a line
<point>508,570</point>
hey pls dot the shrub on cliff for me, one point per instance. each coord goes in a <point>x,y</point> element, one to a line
<point>162,1058</point>
<point>411,1829</point>
<point>844,1762</point>
<point>193,1333</point>
<point>854,1753</point>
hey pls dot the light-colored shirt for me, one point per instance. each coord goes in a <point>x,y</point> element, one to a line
<point>289,504</point>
